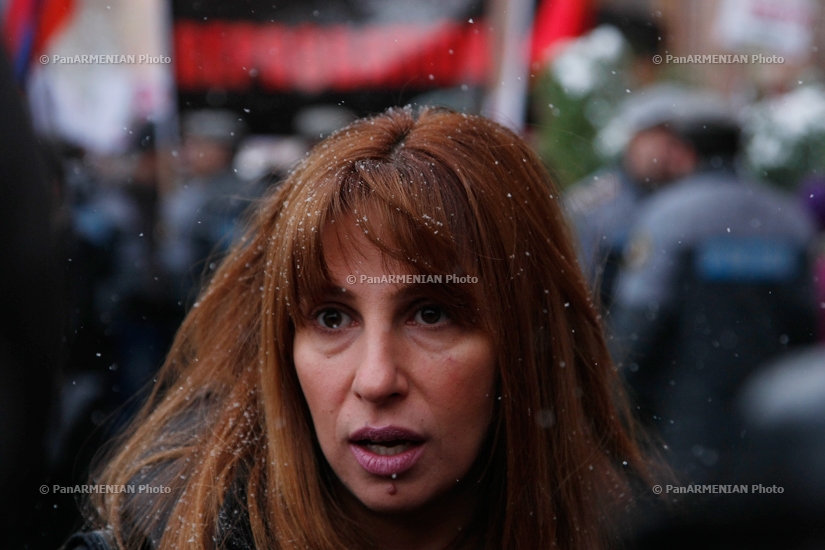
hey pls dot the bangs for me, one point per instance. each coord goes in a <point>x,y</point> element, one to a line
<point>415,211</point>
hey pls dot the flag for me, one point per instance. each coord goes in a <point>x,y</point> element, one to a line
<point>556,21</point>
<point>29,26</point>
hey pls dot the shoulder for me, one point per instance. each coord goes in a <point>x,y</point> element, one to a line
<point>688,194</point>
<point>712,203</point>
<point>93,540</point>
<point>595,192</point>
<point>159,499</point>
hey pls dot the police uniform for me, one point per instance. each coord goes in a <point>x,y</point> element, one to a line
<point>603,206</point>
<point>601,210</point>
<point>714,281</point>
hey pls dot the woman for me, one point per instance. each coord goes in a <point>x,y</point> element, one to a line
<point>402,353</point>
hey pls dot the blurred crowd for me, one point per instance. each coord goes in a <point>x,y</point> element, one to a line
<point>133,250</point>
<point>137,251</point>
<point>711,281</point>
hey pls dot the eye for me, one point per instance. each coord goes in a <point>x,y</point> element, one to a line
<point>431,315</point>
<point>333,319</point>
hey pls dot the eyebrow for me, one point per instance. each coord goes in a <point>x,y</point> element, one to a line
<point>401,292</point>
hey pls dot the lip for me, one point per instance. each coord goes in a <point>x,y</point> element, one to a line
<point>386,465</point>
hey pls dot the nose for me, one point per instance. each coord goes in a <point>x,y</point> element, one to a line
<point>380,376</point>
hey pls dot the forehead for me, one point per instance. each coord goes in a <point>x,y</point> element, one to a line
<point>348,251</point>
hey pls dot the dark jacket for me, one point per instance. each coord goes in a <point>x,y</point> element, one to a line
<point>95,540</point>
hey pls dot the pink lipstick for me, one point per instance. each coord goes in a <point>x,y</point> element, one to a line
<point>386,451</point>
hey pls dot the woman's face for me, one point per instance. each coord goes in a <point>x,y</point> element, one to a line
<point>400,395</point>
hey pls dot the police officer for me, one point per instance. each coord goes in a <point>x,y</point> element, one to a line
<point>603,205</point>
<point>715,281</point>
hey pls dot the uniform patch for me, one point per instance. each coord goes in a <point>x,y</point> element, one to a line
<point>747,259</point>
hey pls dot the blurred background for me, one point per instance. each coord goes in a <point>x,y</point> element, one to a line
<point>687,137</point>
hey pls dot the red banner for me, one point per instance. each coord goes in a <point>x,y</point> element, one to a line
<point>237,55</point>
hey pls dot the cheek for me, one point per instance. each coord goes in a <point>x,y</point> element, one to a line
<point>320,386</point>
<point>478,365</point>
<point>468,386</point>
<point>466,411</point>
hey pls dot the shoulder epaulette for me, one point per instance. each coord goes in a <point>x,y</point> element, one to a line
<point>587,195</point>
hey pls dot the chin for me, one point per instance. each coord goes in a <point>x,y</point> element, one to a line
<point>392,507</point>
<point>399,497</point>
<point>384,499</point>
